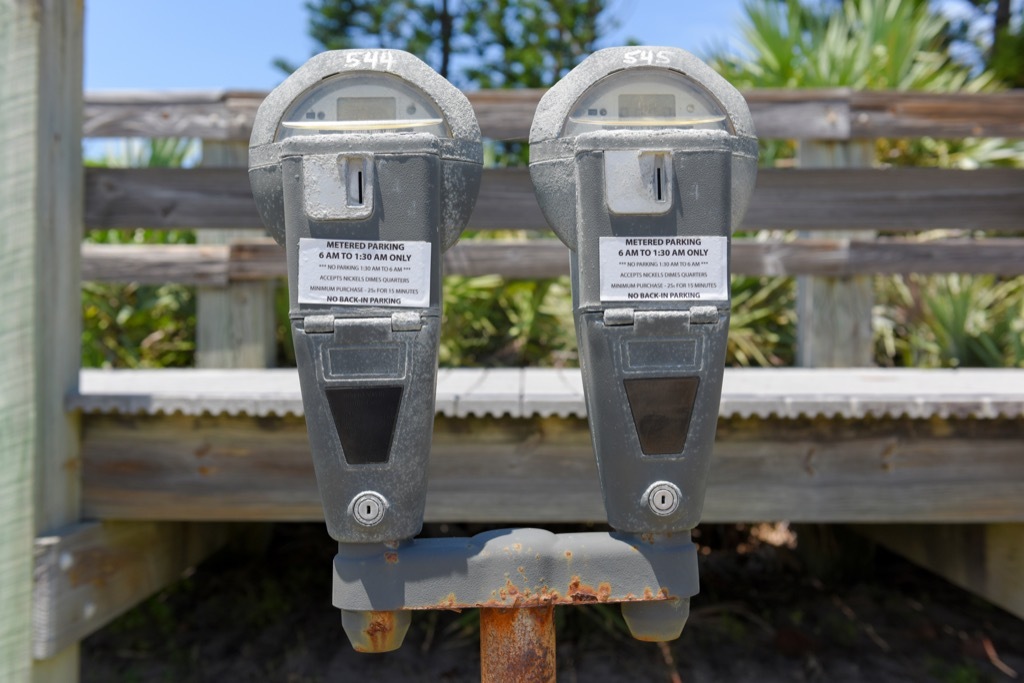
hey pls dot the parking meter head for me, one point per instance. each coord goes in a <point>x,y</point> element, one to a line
<point>365,165</point>
<point>364,95</point>
<point>634,96</point>
<point>643,160</point>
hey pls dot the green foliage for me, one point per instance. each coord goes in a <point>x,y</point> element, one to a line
<point>513,43</point>
<point>531,43</point>
<point>417,26</point>
<point>762,330</point>
<point>131,325</point>
<point>951,321</point>
<point>1007,61</point>
<point>867,45</point>
<point>878,45</point>
<point>490,321</point>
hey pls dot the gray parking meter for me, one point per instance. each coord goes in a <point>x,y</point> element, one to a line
<point>365,165</point>
<point>643,160</point>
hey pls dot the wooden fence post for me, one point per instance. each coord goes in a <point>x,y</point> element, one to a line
<point>234,324</point>
<point>834,313</point>
<point>40,235</point>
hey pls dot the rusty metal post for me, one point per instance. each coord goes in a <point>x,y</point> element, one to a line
<point>517,645</point>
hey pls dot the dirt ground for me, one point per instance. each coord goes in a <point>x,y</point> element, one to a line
<point>832,609</point>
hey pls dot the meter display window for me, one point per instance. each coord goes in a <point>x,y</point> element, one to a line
<point>362,103</point>
<point>645,99</point>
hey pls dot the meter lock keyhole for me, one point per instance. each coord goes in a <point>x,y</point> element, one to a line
<point>638,182</point>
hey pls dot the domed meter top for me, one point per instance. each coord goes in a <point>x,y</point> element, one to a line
<point>373,101</point>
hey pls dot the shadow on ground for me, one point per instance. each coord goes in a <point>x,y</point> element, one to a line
<point>833,609</point>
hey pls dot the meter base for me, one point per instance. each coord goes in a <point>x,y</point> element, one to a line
<point>653,576</point>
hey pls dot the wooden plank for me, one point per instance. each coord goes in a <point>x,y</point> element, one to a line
<point>892,200</point>
<point>205,114</point>
<point>235,326</point>
<point>940,115</point>
<point>834,313</point>
<point>169,198</point>
<point>836,114</point>
<point>801,114</point>
<point>542,258</point>
<point>159,263</point>
<point>536,470</point>
<point>88,574</point>
<point>505,114</point>
<point>40,224</point>
<point>986,559</point>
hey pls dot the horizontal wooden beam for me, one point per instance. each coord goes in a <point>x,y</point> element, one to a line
<point>542,470</point>
<point>836,114</point>
<point>208,265</point>
<point>890,200</point>
<point>87,574</point>
<point>218,265</point>
<point>939,115</point>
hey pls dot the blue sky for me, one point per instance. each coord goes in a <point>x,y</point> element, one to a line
<point>201,44</point>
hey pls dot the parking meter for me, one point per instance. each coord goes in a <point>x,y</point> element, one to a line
<point>643,160</point>
<point>365,165</point>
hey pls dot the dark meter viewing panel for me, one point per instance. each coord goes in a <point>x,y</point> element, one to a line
<point>365,165</point>
<point>643,160</point>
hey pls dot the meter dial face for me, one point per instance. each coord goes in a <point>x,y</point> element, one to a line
<point>362,103</point>
<point>646,99</point>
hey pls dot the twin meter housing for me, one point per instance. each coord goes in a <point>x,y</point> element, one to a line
<point>365,165</point>
<point>643,160</point>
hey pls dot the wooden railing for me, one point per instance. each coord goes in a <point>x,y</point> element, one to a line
<point>824,220</point>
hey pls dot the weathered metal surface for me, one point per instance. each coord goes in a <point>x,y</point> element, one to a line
<point>782,392</point>
<point>517,645</point>
<point>381,631</point>
<point>656,622</point>
<point>514,568</point>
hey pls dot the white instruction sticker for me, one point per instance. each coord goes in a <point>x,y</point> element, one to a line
<point>664,268</point>
<point>364,273</point>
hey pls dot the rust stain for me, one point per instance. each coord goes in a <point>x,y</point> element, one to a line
<point>98,567</point>
<point>512,596</point>
<point>391,557</point>
<point>517,645</point>
<point>380,633</point>
<point>568,555</point>
<point>203,450</point>
<point>207,471</point>
<point>581,592</point>
<point>518,547</point>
